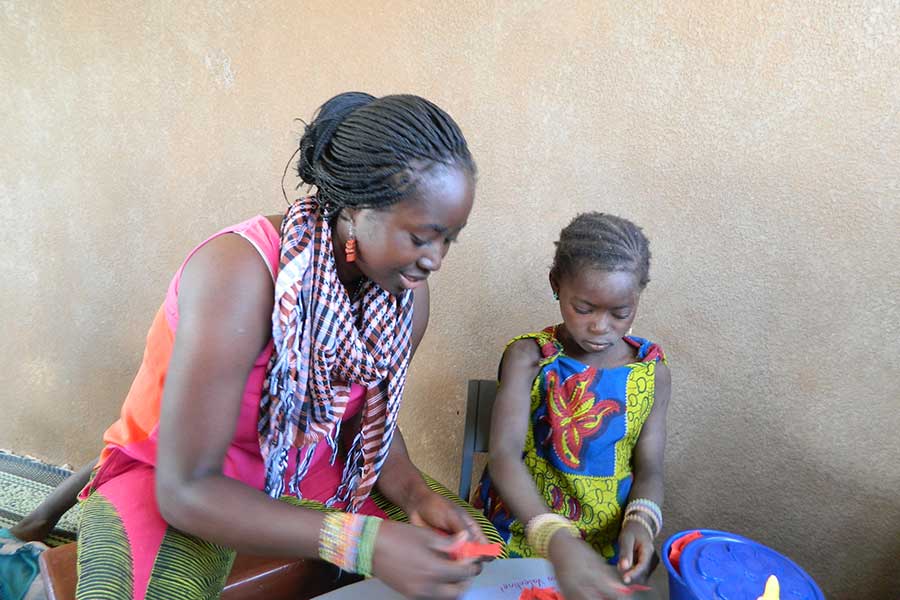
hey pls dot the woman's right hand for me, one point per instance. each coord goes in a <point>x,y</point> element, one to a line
<point>581,573</point>
<point>414,561</point>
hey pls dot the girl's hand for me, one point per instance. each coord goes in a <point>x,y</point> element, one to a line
<point>635,552</point>
<point>581,573</point>
<point>414,561</point>
<point>430,509</point>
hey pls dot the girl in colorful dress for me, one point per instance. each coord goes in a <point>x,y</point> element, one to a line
<point>575,472</point>
<point>263,418</point>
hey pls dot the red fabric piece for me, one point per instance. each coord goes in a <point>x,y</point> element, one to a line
<point>552,594</point>
<point>634,587</point>
<point>463,549</point>
<point>678,547</point>
<point>540,594</point>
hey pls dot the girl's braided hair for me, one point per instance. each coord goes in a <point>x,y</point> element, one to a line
<point>605,242</point>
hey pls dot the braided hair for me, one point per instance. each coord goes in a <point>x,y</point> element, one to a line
<point>366,152</point>
<point>605,242</point>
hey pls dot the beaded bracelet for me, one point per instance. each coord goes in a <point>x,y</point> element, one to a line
<point>640,508</point>
<point>366,548</point>
<point>638,519</point>
<point>541,529</point>
<point>348,541</point>
<point>649,504</point>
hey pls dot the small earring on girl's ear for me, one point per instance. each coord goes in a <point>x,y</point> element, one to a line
<point>556,296</point>
<point>350,245</point>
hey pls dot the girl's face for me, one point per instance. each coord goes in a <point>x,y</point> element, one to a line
<point>597,308</point>
<point>400,246</point>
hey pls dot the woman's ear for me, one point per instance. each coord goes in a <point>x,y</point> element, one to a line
<point>345,225</point>
<point>348,216</point>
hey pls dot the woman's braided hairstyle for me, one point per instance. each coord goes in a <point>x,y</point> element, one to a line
<point>366,152</point>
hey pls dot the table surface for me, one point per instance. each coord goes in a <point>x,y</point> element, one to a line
<point>494,574</point>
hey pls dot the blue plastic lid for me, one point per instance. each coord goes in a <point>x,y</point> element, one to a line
<point>733,568</point>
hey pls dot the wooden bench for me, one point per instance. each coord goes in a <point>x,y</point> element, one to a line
<point>252,577</point>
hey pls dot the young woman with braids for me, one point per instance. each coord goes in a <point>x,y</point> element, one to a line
<point>272,378</point>
<point>575,471</point>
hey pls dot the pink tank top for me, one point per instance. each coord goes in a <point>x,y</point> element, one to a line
<point>134,436</point>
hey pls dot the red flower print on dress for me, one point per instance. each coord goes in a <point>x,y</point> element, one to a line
<point>574,414</point>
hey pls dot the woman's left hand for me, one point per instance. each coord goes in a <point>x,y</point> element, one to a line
<point>635,552</point>
<point>430,509</point>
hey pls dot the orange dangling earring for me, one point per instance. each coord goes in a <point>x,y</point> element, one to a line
<point>350,246</point>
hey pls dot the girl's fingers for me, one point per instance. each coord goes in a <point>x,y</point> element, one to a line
<point>640,564</point>
<point>626,552</point>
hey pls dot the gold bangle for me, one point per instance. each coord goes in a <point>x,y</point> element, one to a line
<point>541,529</point>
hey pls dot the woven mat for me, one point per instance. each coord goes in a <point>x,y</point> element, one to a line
<point>24,483</point>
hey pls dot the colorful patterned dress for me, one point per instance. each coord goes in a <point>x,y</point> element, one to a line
<point>584,425</point>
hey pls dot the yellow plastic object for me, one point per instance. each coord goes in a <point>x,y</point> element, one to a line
<point>772,591</point>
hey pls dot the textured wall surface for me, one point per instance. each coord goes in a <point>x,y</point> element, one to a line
<point>756,142</point>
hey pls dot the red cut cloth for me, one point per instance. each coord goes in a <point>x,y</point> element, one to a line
<point>463,549</point>
<point>540,594</point>
<point>678,547</point>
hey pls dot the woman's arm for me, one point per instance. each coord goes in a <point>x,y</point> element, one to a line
<point>401,482</point>
<point>225,304</point>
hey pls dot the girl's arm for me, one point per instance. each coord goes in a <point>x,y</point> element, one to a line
<point>581,572</point>
<point>509,425</point>
<point>650,450</point>
<point>225,307</point>
<point>635,544</point>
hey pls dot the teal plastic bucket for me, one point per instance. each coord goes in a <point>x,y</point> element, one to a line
<point>726,566</point>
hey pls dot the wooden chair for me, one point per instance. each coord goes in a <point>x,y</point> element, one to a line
<point>477,432</point>
<point>252,577</point>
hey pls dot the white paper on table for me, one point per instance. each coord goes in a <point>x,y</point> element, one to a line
<point>505,579</point>
<point>509,591</point>
<point>500,580</point>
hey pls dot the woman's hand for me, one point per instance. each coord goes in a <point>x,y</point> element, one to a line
<point>429,509</point>
<point>635,552</point>
<point>581,573</point>
<point>415,562</point>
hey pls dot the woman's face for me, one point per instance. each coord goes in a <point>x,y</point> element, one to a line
<point>400,246</point>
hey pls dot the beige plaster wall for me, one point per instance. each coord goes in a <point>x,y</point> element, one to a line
<point>756,142</point>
